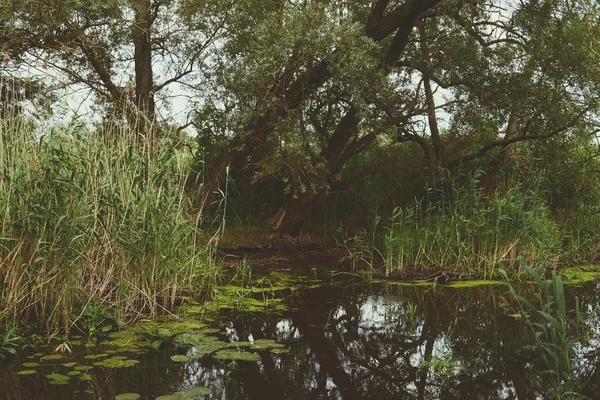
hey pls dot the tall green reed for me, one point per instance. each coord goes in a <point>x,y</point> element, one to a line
<point>471,234</point>
<point>95,216</point>
<point>550,323</point>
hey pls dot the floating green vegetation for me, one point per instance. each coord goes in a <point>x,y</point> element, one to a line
<point>58,379</point>
<point>83,368</point>
<point>194,393</point>
<point>51,357</point>
<point>266,344</point>
<point>74,373</point>
<point>239,344</point>
<point>180,358</point>
<point>581,274</point>
<point>85,377</point>
<point>70,365</point>
<point>471,284</point>
<point>31,364</point>
<point>127,396</point>
<point>95,356</point>
<point>240,302</point>
<point>27,372</point>
<point>116,362</point>
<point>235,355</point>
<point>404,283</point>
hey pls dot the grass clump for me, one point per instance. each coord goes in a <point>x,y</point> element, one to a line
<point>94,217</point>
<point>471,234</point>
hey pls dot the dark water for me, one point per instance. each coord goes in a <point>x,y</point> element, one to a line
<point>355,341</point>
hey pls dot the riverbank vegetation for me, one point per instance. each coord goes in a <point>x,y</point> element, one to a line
<point>94,217</point>
<point>449,136</point>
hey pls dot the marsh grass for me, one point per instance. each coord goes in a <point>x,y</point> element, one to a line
<point>470,234</point>
<point>95,217</point>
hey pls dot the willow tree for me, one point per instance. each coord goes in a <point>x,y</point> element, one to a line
<point>125,51</point>
<point>309,85</point>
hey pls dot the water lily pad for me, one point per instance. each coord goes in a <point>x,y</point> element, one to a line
<point>27,372</point>
<point>58,383</point>
<point>85,377</point>
<point>179,358</point>
<point>74,373</point>
<point>95,356</point>
<point>240,344</point>
<point>266,344</point>
<point>116,363</point>
<point>51,357</point>
<point>58,377</point>
<point>83,368</point>
<point>70,365</point>
<point>197,391</point>
<point>234,355</point>
<point>127,396</point>
<point>31,364</point>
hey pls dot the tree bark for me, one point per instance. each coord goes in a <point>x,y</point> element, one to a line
<point>144,78</point>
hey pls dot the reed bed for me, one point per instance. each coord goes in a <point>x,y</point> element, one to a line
<point>94,217</point>
<point>467,233</point>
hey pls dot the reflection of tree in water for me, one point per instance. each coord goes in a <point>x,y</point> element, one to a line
<point>393,343</point>
<point>377,347</point>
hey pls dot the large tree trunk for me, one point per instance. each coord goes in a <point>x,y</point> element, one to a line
<point>297,207</point>
<point>144,79</point>
<point>399,20</point>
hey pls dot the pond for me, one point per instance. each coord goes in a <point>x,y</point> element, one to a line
<point>320,339</point>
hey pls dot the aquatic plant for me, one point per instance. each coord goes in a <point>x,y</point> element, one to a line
<point>550,324</point>
<point>96,218</point>
<point>471,234</point>
<point>10,342</point>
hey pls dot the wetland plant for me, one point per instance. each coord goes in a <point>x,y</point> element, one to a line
<point>10,342</point>
<point>95,217</point>
<point>470,234</point>
<point>547,317</point>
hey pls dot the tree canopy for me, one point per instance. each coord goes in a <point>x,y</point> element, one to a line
<point>295,90</point>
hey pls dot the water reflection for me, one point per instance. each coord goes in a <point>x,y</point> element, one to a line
<point>354,342</point>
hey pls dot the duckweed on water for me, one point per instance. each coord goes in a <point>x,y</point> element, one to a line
<point>579,275</point>
<point>470,284</point>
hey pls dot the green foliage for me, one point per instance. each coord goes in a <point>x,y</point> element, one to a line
<point>90,219</point>
<point>471,234</point>
<point>10,342</point>
<point>551,323</point>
